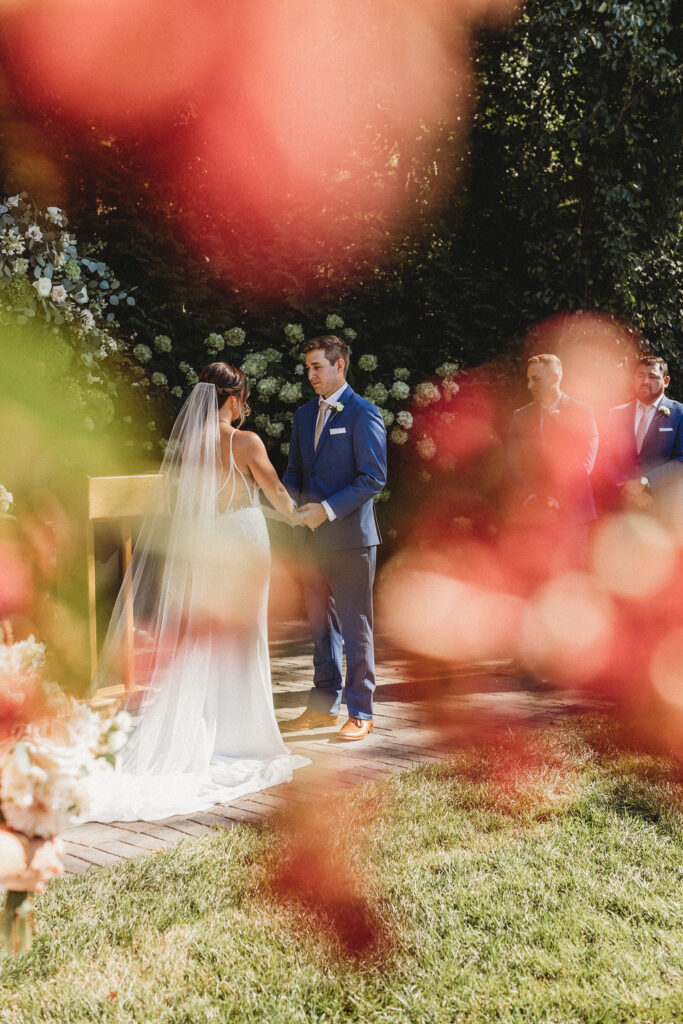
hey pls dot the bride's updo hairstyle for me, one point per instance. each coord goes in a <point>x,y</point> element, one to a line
<point>228,380</point>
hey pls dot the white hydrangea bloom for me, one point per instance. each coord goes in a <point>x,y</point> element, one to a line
<point>291,393</point>
<point>426,393</point>
<point>268,386</point>
<point>333,322</point>
<point>142,353</point>
<point>275,428</point>
<point>426,448</point>
<point>376,393</point>
<point>349,334</point>
<point>254,365</point>
<point>20,266</point>
<point>401,373</point>
<point>399,390</point>
<point>405,419</point>
<point>294,333</point>
<point>177,392</point>
<point>163,343</point>
<point>160,380</point>
<point>367,362</point>
<point>388,416</point>
<point>398,436</point>
<point>215,342</point>
<point>447,369</point>
<point>284,447</point>
<point>450,387</point>
<point>235,337</point>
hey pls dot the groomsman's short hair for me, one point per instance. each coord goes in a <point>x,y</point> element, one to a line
<point>656,362</point>
<point>333,347</point>
<point>547,359</point>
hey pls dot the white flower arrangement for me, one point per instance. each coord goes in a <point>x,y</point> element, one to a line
<point>6,509</point>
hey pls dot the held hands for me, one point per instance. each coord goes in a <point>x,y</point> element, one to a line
<point>311,515</point>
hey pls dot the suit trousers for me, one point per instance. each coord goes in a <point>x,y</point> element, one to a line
<point>338,594</point>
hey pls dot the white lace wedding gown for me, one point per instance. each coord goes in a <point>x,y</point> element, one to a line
<point>208,733</point>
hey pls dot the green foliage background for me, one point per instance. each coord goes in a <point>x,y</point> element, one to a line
<point>566,196</point>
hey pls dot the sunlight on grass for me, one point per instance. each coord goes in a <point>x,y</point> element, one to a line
<point>542,888</point>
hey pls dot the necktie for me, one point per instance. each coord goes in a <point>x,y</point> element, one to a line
<point>320,422</point>
<point>642,428</point>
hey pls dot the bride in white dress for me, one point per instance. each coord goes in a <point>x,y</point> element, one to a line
<point>196,596</point>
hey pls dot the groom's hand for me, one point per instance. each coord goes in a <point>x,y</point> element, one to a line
<point>312,515</point>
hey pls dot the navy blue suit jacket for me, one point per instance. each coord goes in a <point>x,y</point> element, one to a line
<point>661,455</point>
<point>347,469</point>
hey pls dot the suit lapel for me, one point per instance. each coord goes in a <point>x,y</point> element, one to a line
<point>345,396</point>
<point>653,429</point>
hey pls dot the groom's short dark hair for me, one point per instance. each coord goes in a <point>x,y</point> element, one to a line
<point>333,347</point>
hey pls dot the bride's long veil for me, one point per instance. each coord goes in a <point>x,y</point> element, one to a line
<point>163,597</point>
<point>190,627</point>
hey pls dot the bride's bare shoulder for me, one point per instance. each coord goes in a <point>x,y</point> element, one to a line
<point>247,440</point>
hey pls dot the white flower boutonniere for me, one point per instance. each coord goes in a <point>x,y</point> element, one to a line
<point>338,406</point>
<point>664,410</point>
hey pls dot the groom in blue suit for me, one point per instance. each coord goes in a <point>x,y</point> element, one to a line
<point>337,464</point>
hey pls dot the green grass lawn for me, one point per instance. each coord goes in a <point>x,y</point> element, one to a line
<point>545,886</point>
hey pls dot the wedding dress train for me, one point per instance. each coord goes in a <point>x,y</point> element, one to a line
<point>206,731</point>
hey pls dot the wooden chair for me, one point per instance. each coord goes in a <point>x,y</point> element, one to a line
<point>115,498</point>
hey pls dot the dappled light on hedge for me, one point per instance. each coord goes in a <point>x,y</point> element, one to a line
<point>307,117</point>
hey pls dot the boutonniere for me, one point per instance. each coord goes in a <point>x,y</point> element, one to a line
<point>664,410</point>
<point>338,406</point>
<point>554,412</point>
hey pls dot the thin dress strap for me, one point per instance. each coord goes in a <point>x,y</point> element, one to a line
<point>231,475</point>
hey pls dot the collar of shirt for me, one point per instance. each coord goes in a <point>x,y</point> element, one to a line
<point>545,409</point>
<point>642,408</point>
<point>334,397</point>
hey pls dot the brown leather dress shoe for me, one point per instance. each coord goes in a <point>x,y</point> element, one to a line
<point>356,729</point>
<point>310,719</point>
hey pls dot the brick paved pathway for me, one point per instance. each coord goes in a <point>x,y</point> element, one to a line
<point>404,736</point>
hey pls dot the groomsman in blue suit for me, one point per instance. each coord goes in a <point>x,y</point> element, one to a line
<point>645,444</point>
<point>337,464</point>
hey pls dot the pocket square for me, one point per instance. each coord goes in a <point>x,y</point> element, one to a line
<point>662,429</point>
<point>338,430</point>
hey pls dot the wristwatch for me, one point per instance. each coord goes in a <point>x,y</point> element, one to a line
<point>644,481</point>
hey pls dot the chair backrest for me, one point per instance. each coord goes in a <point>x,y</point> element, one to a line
<point>119,498</point>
